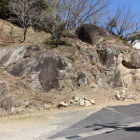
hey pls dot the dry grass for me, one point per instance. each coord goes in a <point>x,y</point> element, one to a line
<point>43,98</point>
<point>12,35</point>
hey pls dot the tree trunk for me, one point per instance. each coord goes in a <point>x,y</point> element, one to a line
<point>57,43</point>
<point>24,34</point>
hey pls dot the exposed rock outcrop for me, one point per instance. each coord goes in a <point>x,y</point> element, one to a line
<point>91,33</point>
<point>46,69</point>
<point>43,67</point>
<point>5,98</point>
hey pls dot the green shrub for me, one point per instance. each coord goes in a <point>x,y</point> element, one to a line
<point>53,42</point>
<point>105,39</point>
<point>69,35</point>
<point>121,39</point>
<point>4,12</point>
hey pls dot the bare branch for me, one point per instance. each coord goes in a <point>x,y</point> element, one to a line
<point>26,12</point>
<point>77,12</point>
<point>123,21</point>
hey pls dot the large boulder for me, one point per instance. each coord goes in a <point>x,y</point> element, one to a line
<point>91,33</point>
<point>135,60</point>
<point>31,61</point>
<point>132,60</point>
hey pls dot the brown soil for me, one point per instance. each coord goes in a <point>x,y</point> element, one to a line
<point>11,35</point>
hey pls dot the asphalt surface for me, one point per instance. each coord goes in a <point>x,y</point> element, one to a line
<point>110,123</point>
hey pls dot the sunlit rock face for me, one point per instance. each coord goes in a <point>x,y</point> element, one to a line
<point>91,33</point>
<point>36,62</point>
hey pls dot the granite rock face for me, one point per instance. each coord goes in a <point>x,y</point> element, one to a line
<point>82,79</point>
<point>91,33</point>
<point>42,66</point>
<point>109,65</point>
<point>46,69</point>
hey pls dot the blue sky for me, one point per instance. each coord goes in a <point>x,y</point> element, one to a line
<point>135,4</point>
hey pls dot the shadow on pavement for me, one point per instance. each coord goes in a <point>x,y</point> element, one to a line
<point>132,129</point>
<point>114,126</point>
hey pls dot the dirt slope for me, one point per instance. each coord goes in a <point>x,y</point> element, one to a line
<point>101,63</point>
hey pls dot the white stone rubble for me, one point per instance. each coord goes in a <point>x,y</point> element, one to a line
<point>80,101</point>
<point>122,95</point>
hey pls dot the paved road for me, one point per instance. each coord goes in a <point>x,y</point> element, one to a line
<point>110,123</point>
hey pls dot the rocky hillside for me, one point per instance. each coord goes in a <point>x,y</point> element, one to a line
<point>95,65</point>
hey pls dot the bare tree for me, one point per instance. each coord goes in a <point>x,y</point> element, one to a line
<point>65,14</point>
<point>26,12</point>
<point>51,21</point>
<point>123,21</point>
<point>78,12</point>
<point>111,25</point>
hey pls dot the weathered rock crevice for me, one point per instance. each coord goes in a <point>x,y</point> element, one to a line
<point>127,64</point>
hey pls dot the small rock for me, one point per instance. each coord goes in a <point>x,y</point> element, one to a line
<point>63,104</point>
<point>75,103</point>
<point>92,101</point>
<point>87,103</point>
<point>77,98</point>
<point>123,95</point>
<point>123,91</point>
<point>71,102</point>
<point>82,79</point>
<point>46,106</point>
<point>118,96</point>
<point>85,98</point>
<point>81,102</point>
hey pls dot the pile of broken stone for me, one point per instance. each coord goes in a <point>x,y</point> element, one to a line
<point>77,101</point>
<point>122,95</point>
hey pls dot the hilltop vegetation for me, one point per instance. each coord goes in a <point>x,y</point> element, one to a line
<point>57,15</point>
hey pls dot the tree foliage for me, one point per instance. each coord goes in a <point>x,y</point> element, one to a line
<point>4,11</point>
